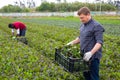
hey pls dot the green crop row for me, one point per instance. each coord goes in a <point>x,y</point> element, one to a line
<point>110,23</point>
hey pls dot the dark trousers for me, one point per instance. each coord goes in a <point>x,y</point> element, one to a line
<point>93,74</point>
<point>22,32</point>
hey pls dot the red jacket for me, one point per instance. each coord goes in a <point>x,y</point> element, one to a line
<point>19,25</point>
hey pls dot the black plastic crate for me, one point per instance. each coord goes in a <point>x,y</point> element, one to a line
<point>70,64</point>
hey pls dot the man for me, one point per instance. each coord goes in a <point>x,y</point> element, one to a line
<point>19,26</point>
<point>91,40</point>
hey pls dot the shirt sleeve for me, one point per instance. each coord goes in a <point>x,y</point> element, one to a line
<point>98,32</point>
<point>18,31</point>
<point>12,30</point>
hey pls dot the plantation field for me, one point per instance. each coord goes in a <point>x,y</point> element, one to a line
<point>35,61</point>
<point>107,21</point>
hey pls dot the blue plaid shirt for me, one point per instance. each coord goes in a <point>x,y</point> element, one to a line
<point>90,34</point>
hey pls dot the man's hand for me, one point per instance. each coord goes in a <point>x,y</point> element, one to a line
<point>87,56</point>
<point>76,41</point>
<point>70,43</point>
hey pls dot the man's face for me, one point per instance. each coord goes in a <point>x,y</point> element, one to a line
<point>84,18</point>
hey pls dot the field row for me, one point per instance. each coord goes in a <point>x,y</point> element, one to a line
<point>111,24</point>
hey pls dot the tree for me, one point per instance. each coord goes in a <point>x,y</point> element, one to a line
<point>45,6</point>
<point>58,1</point>
<point>13,8</point>
<point>43,1</point>
<point>68,7</point>
<point>65,1</point>
<point>31,4</point>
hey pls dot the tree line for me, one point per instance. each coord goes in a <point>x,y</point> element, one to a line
<point>60,7</point>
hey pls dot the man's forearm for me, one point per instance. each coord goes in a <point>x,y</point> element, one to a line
<point>12,31</point>
<point>76,41</point>
<point>18,31</point>
<point>96,48</point>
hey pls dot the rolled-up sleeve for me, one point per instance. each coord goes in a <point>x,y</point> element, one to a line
<point>98,32</point>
